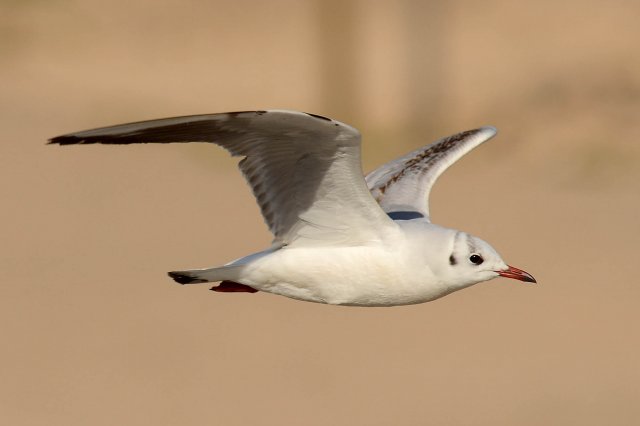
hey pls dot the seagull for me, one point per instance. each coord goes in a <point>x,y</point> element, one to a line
<point>339,238</point>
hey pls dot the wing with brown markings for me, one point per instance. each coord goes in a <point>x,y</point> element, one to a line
<point>402,186</point>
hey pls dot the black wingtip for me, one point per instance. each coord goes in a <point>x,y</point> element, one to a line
<point>321,117</point>
<point>65,140</point>
<point>182,278</point>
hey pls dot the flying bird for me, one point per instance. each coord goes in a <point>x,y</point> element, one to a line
<point>339,238</point>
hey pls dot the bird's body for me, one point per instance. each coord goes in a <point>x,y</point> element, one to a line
<point>390,272</point>
<point>338,238</point>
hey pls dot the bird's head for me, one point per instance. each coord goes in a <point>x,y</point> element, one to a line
<point>472,260</point>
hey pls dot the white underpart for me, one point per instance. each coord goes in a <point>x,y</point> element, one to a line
<point>380,274</point>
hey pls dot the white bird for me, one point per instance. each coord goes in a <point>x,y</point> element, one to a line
<point>339,238</point>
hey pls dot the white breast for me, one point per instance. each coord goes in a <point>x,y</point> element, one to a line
<point>373,275</point>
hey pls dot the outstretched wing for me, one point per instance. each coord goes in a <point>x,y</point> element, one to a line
<point>304,169</point>
<point>402,186</point>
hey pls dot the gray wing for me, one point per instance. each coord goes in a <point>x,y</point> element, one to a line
<point>304,169</point>
<point>402,186</point>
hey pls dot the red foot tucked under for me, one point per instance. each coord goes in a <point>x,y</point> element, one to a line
<point>233,287</point>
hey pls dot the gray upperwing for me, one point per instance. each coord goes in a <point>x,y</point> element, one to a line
<point>304,169</point>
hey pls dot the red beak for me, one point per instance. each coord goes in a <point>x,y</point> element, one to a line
<point>517,274</point>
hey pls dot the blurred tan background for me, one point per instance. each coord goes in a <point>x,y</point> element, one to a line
<point>94,333</point>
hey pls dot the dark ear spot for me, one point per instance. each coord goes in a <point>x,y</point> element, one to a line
<point>452,260</point>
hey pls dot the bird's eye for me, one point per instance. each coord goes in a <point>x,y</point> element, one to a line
<point>476,259</point>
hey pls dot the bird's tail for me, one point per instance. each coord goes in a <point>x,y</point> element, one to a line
<point>229,272</point>
<point>196,276</point>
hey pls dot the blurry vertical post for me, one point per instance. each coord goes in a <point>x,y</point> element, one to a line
<point>426,30</point>
<point>337,21</point>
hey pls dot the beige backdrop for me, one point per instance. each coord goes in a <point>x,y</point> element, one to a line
<point>94,333</point>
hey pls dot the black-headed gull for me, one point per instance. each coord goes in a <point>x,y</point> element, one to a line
<point>339,238</point>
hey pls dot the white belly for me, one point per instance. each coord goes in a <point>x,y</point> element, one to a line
<point>363,275</point>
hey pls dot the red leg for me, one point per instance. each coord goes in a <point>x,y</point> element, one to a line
<point>233,287</point>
